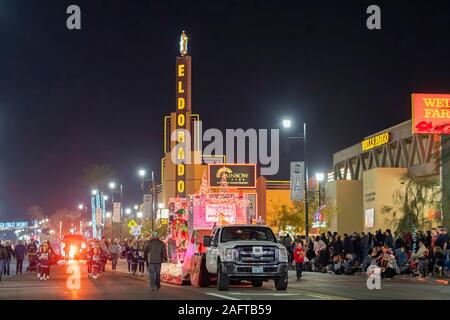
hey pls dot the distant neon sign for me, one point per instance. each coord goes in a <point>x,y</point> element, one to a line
<point>14,224</point>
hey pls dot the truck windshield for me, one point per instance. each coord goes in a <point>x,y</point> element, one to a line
<point>247,234</point>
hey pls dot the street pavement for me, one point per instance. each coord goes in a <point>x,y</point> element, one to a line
<point>118,285</point>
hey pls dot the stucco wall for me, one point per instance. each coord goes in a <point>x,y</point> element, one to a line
<point>344,197</point>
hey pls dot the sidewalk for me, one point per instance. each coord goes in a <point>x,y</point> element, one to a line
<point>415,279</point>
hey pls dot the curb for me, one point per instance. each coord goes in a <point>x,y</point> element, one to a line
<point>431,281</point>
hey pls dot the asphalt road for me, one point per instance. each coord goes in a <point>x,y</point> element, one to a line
<point>120,286</point>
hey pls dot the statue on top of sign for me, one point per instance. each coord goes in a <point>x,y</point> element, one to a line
<point>183,44</point>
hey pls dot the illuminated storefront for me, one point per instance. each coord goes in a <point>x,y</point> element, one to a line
<point>365,176</point>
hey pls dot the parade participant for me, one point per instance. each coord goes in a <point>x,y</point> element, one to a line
<point>89,254</point>
<point>141,258</point>
<point>44,255</point>
<point>299,258</point>
<point>32,256</point>
<point>104,254</point>
<point>129,256</point>
<point>134,258</point>
<point>96,262</point>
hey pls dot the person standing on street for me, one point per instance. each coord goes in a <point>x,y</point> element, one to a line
<point>115,251</point>
<point>141,258</point>
<point>32,256</point>
<point>299,255</point>
<point>9,254</point>
<point>155,253</point>
<point>288,245</point>
<point>19,253</point>
<point>3,254</point>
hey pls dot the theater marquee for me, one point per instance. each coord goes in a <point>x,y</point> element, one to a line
<point>183,103</point>
<point>238,175</point>
<point>431,113</point>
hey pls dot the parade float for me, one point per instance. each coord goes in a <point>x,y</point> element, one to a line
<point>193,218</point>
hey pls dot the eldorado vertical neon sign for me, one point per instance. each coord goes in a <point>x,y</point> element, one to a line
<point>183,103</point>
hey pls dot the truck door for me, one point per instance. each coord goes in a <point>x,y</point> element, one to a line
<point>212,253</point>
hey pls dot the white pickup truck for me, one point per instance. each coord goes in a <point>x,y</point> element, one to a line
<point>246,252</point>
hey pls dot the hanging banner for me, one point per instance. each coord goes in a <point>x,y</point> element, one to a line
<point>297,180</point>
<point>116,212</point>
<point>98,216</point>
<point>148,205</point>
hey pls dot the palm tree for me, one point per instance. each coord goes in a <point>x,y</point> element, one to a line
<point>36,212</point>
<point>97,175</point>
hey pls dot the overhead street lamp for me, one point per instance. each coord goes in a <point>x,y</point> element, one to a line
<point>142,174</point>
<point>287,123</point>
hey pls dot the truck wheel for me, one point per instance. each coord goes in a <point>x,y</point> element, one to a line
<point>281,283</point>
<point>223,282</point>
<point>257,283</point>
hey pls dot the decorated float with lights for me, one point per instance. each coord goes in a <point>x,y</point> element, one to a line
<point>195,217</point>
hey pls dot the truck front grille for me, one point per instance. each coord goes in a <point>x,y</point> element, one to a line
<point>245,255</point>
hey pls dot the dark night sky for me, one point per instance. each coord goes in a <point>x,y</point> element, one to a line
<point>72,98</point>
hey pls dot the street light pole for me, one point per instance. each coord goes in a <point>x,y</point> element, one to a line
<point>306,182</point>
<point>287,124</point>
<point>153,201</point>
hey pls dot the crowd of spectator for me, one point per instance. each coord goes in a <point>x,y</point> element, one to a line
<point>420,254</point>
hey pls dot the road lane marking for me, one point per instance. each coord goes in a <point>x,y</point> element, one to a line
<point>221,296</point>
<point>320,295</point>
<point>265,294</point>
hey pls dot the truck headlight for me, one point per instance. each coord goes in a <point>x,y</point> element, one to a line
<point>227,254</point>
<point>283,255</point>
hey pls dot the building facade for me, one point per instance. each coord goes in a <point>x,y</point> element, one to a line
<point>366,176</point>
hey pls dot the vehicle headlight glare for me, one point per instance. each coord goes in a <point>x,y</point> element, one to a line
<point>228,254</point>
<point>283,255</point>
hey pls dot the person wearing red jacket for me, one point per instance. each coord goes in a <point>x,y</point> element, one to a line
<point>299,258</point>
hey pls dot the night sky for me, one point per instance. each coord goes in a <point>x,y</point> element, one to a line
<point>72,98</point>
